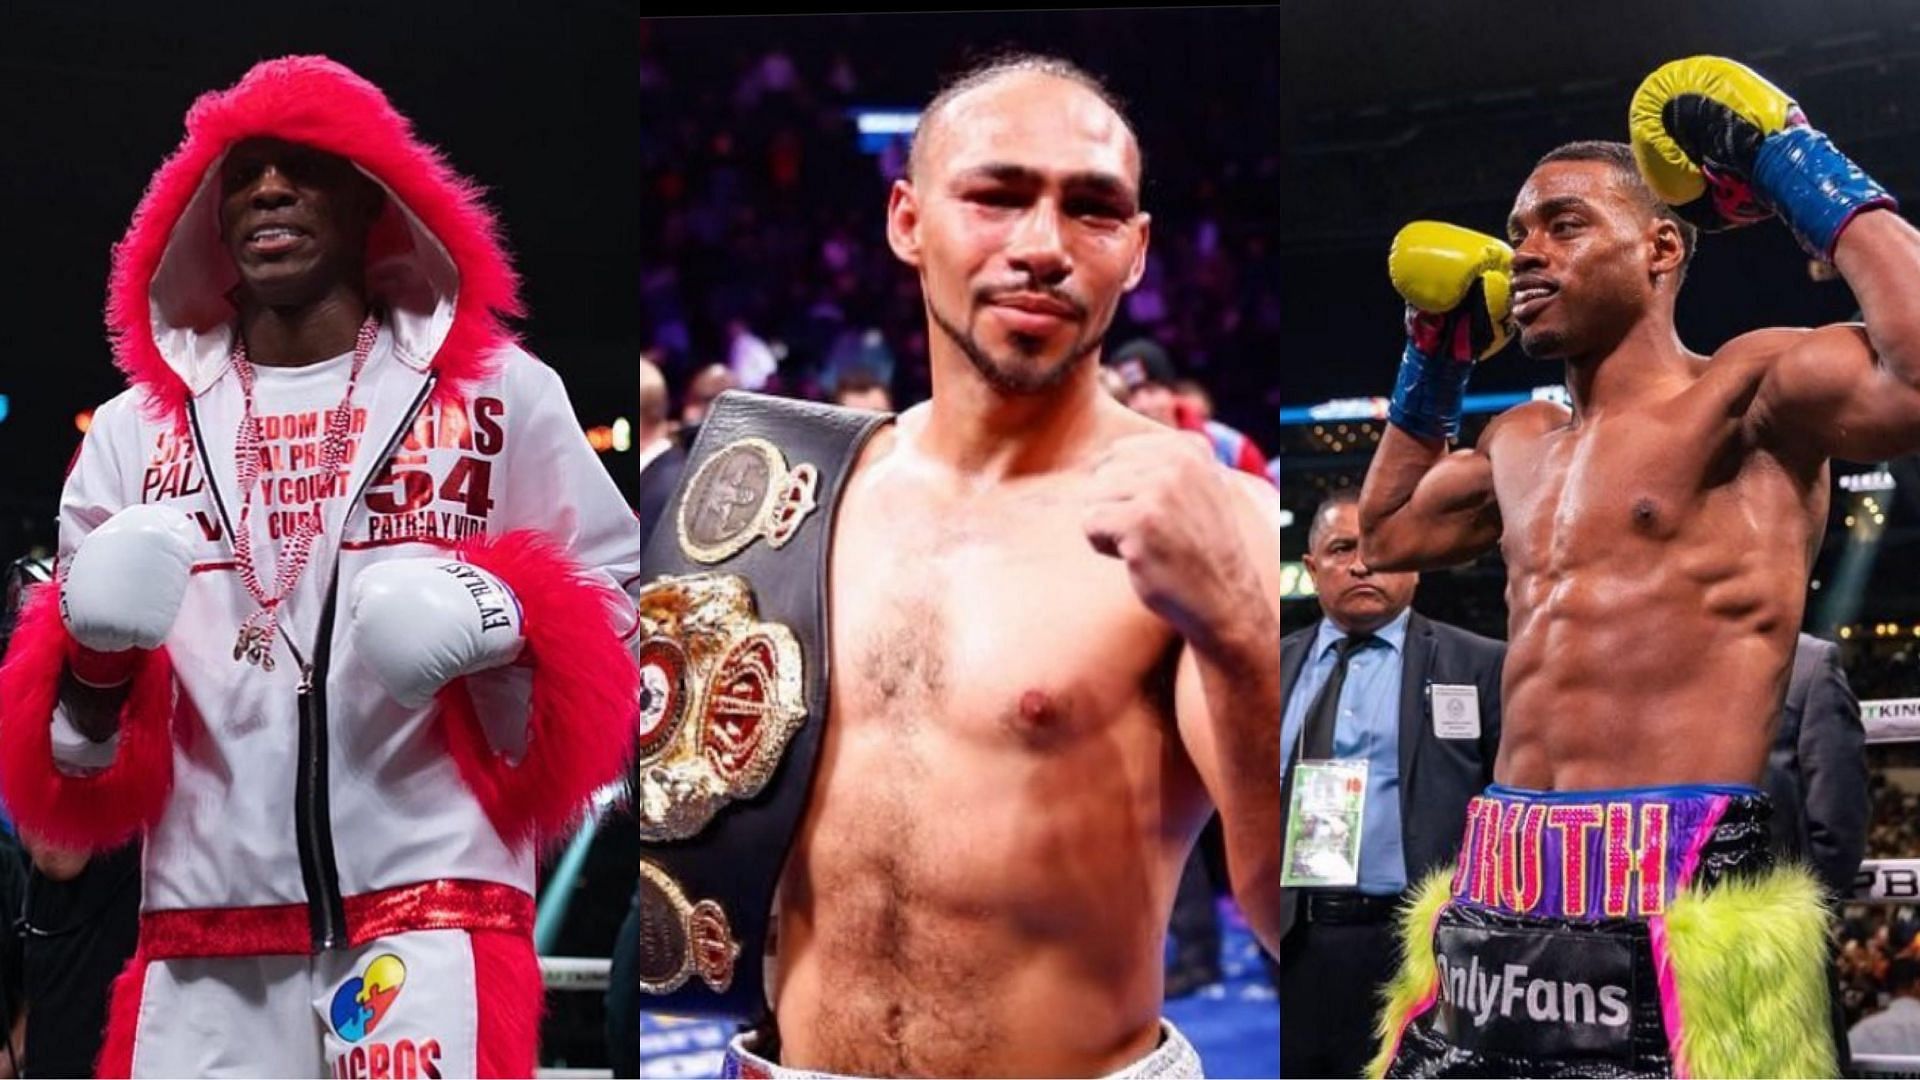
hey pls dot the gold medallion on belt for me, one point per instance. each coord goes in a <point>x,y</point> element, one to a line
<point>743,493</point>
<point>679,938</point>
<point>721,695</point>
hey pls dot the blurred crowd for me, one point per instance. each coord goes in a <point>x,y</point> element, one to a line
<point>1878,963</point>
<point>1884,671</point>
<point>1878,966</point>
<point>766,251</point>
<point>1894,831</point>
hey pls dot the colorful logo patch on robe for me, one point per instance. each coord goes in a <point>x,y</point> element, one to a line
<point>363,1001</point>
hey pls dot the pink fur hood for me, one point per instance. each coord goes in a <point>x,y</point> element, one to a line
<point>435,259</point>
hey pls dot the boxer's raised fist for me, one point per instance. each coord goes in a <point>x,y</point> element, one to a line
<point>1459,293</point>
<point>1458,284</point>
<point>1726,148</point>
<point>1162,505</point>
<point>421,623</point>
<point>124,584</point>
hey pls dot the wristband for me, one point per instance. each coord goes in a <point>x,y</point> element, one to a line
<point>1814,187</point>
<point>101,670</point>
<point>1428,395</point>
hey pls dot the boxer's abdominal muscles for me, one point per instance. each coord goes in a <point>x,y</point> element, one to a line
<point>1653,592</point>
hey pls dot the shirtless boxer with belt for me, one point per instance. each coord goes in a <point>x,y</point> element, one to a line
<point>1054,646</point>
<point>1614,910</point>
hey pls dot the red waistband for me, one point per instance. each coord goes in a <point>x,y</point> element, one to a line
<point>283,929</point>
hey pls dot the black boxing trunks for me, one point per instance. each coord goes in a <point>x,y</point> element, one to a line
<point>1630,932</point>
<point>733,692</point>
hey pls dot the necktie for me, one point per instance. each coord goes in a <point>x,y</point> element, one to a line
<point>1317,730</point>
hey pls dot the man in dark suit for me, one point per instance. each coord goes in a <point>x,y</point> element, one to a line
<point>661,456</point>
<point>1817,777</point>
<point>1359,687</point>
<point>1817,769</point>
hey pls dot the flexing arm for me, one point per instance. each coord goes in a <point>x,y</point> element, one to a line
<point>1849,391</point>
<point>1227,703</point>
<point>1423,507</point>
<point>1202,550</point>
<point>1727,148</point>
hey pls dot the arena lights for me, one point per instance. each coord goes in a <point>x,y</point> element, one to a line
<point>1295,582</point>
<point>83,420</point>
<point>617,436</point>
<point>1339,437</point>
<point>1358,408</point>
<point>1867,516</point>
<point>1557,393</point>
<point>1866,523</point>
<point>886,121</point>
<point>880,127</point>
<point>1877,480</point>
<point>1375,408</point>
<point>1880,630</point>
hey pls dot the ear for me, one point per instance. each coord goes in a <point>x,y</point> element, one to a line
<point>903,222</point>
<point>1143,229</point>
<point>1669,248</point>
<point>1312,564</point>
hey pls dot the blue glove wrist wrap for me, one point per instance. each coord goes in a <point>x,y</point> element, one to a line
<point>1428,395</point>
<point>1814,187</point>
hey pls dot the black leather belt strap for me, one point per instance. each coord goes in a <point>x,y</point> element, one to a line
<point>1323,906</point>
<point>756,502</point>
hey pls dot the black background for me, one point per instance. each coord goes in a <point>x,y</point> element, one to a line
<point>534,101</point>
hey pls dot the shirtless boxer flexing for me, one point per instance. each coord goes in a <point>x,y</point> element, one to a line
<point>1054,645</point>
<point>1614,910</point>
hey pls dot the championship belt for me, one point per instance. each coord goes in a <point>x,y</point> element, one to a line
<point>733,690</point>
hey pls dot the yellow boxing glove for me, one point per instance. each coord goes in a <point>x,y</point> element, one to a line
<point>1437,266</point>
<point>1726,148</point>
<point>1458,288</point>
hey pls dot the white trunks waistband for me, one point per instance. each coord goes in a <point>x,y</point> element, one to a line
<point>1174,1059</point>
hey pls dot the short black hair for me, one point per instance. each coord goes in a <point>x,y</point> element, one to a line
<point>1902,972</point>
<point>1009,61</point>
<point>1620,156</point>
<point>1318,528</point>
<point>856,381</point>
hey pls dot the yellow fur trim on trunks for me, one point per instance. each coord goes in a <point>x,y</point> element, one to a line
<point>1747,968</point>
<point>1414,987</point>
<point>1749,963</point>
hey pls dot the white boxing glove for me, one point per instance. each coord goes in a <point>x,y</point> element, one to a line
<point>124,584</point>
<point>421,623</point>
